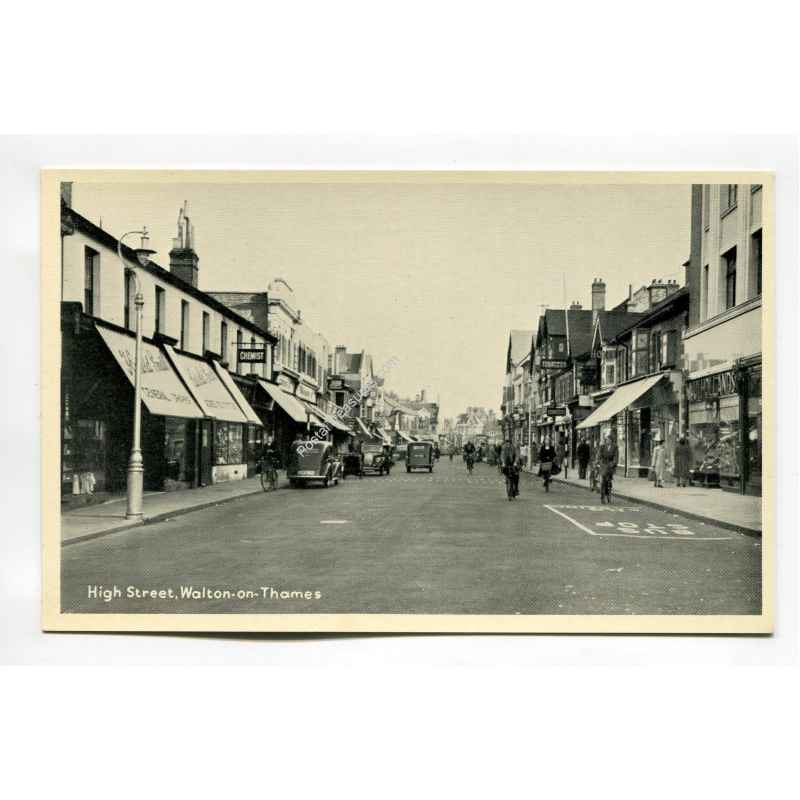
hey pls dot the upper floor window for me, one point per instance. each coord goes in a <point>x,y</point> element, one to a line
<point>91,262</point>
<point>755,260</point>
<point>727,197</point>
<point>642,353</point>
<point>161,299</point>
<point>729,262</point>
<point>184,324</point>
<point>206,331</point>
<point>130,298</point>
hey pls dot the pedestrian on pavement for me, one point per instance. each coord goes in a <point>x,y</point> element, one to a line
<point>584,453</point>
<point>659,464</point>
<point>682,460</point>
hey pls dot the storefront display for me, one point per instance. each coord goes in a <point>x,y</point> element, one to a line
<point>179,453</point>
<point>228,443</point>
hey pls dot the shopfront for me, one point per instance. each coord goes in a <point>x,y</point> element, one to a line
<point>725,426</point>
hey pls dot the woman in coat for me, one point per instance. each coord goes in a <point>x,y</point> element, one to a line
<point>659,464</point>
<point>683,461</point>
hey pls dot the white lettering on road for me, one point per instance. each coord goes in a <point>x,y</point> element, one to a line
<point>672,536</point>
<point>334,521</point>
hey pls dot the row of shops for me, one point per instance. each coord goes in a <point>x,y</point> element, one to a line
<point>201,424</point>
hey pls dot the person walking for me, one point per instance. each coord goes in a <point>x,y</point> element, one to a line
<point>607,460</point>
<point>562,456</point>
<point>659,463</point>
<point>682,459</point>
<point>584,453</point>
<point>547,457</point>
<point>510,461</point>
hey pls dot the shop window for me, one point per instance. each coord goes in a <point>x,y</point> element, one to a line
<point>160,309</point>
<point>228,443</point>
<point>184,324</point>
<point>178,449</point>
<point>729,263</point>
<point>755,261</point>
<point>90,262</point>
<point>206,331</point>
<point>130,299</point>
<point>728,197</point>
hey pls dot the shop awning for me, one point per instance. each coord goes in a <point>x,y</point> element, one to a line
<point>387,437</point>
<point>331,420</point>
<point>314,414</point>
<point>162,390</point>
<point>291,405</point>
<point>363,430</point>
<point>406,438</point>
<point>206,387</point>
<point>236,392</point>
<point>620,400</point>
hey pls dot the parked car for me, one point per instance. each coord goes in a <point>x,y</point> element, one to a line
<point>400,451</point>
<point>375,459</point>
<point>313,461</point>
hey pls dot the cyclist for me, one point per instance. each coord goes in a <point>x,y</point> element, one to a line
<point>607,458</point>
<point>269,465</point>
<point>511,464</point>
<point>469,455</point>
<point>547,457</point>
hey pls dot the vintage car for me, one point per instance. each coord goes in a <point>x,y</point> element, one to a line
<point>375,459</point>
<point>400,451</point>
<point>419,456</point>
<point>353,464</point>
<point>313,461</point>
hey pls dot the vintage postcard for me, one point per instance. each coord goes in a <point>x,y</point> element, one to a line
<point>407,401</point>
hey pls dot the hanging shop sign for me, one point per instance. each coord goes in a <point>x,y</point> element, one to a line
<point>251,355</point>
<point>710,387</point>
<point>556,411</point>
<point>554,363</point>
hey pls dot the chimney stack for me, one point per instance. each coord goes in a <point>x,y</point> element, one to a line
<point>598,295</point>
<point>576,306</point>
<point>183,260</point>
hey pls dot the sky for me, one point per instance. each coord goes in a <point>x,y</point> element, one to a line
<point>431,276</point>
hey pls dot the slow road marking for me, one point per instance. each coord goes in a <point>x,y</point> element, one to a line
<point>669,531</point>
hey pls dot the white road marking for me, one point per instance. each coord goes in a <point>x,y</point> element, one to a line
<point>652,537</point>
<point>334,521</point>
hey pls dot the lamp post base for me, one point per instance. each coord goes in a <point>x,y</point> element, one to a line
<point>134,508</point>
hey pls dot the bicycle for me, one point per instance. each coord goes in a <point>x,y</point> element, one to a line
<point>269,475</point>
<point>605,489</point>
<point>470,464</point>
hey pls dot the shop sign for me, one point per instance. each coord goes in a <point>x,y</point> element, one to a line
<point>306,394</point>
<point>247,355</point>
<point>556,411</point>
<point>554,363</point>
<point>585,401</point>
<point>711,387</point>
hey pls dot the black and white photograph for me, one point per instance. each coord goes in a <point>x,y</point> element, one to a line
<point>407,401</point>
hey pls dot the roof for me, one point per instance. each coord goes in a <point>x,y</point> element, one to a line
<point>613,322</point>
<point>555,321</point>
<point>580,331</point>
<point>664,308</point>
<point>519,345</point>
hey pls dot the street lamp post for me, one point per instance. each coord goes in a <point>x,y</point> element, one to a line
<point>135,462</point>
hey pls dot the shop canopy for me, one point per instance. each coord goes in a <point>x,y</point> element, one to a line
<point>620,400</point>
<point>291,405</point>
<point>206,387</point>
<point>405,437</point>
<point>315,416</point>
<point>364,431</point>
<point>236,392</point>
<point>162,390</point>
<point>331,420</point>
<point>387,437</point>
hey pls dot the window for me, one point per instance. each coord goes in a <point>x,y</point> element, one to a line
<point>340,399</point>
<point>641,354</point>
<point>755,260</point>
<point>705,299</point>
<point>91,258</point>
<point>228,443</point>
<point>727,197</point>
<point>130,298</point>
<point>160,309</point>
<point>206,331</point>
<point>669,349</point>
<point>655,351</point>
<point>184,324</point>
<point>223,341</point>
<point>238,348</point>
<point>729,262</point>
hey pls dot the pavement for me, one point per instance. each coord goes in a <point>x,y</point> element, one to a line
<point>89,522</point>
<point>712,506</point>
<point>446,543</point>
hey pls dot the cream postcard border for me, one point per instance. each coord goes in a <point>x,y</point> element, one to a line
<point>54,620</point>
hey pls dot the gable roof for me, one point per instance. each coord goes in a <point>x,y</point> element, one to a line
<point>669,305</point>
<point>612,323</point>
<point>580,331</point>
<point>555,322</point>
<point>519,345</point>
